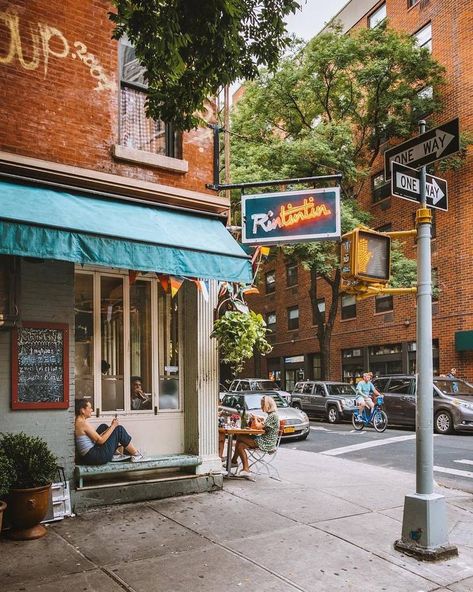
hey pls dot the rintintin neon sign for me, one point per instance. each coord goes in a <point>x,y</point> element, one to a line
<point>292,216</point>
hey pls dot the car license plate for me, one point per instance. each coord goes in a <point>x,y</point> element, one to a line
<point>289,430</point>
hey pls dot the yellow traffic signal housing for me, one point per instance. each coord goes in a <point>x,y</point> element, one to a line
<point>366,255</point>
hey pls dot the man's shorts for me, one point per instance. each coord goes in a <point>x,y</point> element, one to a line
<point>361,399</point>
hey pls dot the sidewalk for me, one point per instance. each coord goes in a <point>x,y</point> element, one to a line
<point>328,526</point>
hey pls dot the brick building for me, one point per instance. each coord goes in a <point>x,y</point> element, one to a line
<point>100,209</point>
<point>379,334</point>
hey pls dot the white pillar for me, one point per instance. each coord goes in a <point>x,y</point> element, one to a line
<point>201,378</point>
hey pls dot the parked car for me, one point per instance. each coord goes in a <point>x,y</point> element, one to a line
<point>257,384</point>
<point>297,423</point>
<point>453,402</point>
<point>332,400</point>
<point>222,391</point>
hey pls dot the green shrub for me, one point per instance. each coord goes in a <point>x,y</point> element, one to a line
<point>7,474</point>
<point>32,461</point>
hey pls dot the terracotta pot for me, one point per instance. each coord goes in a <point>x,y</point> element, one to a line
<point>26,509</point>
<point>3,507</point>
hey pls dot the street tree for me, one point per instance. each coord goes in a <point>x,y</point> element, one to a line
<point>328,108</point>
<point>191,48</point>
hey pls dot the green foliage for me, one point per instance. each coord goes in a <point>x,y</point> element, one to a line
<point>7,474</point>
<point>404,271</point>
<point>328,108</point>
<point>192,48</point>
<point>32,461</point>
<point>239,335</point>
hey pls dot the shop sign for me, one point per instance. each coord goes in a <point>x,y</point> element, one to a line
<point>292,216</point>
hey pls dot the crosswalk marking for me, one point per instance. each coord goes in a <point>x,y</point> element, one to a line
<point>457,472</point>
<point>464,461</point>
<point>372,444</point>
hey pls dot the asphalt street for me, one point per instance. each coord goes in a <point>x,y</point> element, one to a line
<point>395,449</point>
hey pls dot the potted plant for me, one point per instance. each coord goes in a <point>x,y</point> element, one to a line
<point>239,334</point>
<point>6,479</point>
<point>34,468</point>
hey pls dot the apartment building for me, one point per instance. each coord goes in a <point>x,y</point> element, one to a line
<point>379,334</point>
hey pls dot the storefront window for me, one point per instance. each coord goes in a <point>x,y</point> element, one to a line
<point>127,335</point>
<point>84,336</point>
<point>112,353</point>
<point>141,380</point>
<point>168,350</point>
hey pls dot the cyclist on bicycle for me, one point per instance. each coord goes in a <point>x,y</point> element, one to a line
<point>364,389</point>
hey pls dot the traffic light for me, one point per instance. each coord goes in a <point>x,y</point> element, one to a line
<point>366,256</point>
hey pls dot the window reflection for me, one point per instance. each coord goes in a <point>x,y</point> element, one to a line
<point>168,350</point>
<point>111,325</point>
<point>140,346</point>
<point>84,336</point>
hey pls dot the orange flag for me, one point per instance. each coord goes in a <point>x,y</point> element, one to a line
<point>265,251</point>
<point>164,281</point>
<point>132,275</point>
<point>176,283</point>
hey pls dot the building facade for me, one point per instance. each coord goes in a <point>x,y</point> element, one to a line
<point>379,334</point>
<point>111,247</point>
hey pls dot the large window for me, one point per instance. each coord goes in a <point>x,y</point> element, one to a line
<point>127,343</point>
<point>348,307</point>
<point>293,318</point>
<point>377,17</point>
<point>291,275</point>
<point>136,129</point>
<point>270,282</point>
<point>423,37</point>
<point>320,304</point>
<point>383,304</point>
<point>379,188</point>
<point>271,321</point>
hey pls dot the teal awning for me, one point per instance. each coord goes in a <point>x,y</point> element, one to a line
<point>50,224</point>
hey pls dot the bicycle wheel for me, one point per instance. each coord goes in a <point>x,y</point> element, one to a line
<point>357,422</point>
<point>380,421</point>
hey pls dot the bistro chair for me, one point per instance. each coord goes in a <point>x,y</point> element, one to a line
<point>262,462</point>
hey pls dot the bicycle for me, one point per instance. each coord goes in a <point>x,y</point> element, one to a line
<point>377,418</point>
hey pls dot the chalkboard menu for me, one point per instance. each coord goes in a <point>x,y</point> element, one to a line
<point>40,366</point>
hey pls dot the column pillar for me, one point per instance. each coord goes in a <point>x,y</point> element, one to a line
<point>201,378</point>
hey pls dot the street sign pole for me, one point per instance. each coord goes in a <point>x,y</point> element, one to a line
<point>424,527</point>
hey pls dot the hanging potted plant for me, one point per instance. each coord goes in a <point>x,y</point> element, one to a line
<point>239,335</point>
<point>34,468</point>
<point>6,479</point>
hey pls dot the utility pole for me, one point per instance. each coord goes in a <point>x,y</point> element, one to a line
<point>424,526</point>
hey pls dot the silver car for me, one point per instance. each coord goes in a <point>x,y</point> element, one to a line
<point>243,385</point>
<point>297,423</point>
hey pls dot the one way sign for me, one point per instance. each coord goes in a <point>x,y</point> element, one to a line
<point>433,145</point>
<point>405,182</point>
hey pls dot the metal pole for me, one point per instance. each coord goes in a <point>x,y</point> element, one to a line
<point>424,524</point>
<point>424,433</point>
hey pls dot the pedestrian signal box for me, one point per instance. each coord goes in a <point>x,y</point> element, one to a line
<point>366,255</point>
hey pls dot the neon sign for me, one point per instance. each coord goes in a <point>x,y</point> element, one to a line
<point>294,216</point>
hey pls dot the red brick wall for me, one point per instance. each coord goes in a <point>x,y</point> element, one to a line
<point>452,28</point>
<point>55,107</point>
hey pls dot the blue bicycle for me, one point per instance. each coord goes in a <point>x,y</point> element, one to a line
<point>377,418</point>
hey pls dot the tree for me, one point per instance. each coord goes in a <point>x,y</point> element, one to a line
<point>329,107</point>
<point>191,48</point>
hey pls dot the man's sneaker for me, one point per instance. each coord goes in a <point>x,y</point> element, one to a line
<point>120,457</point>
<point>137,457</point>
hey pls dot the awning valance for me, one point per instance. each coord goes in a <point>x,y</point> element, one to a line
<point>42,222</point>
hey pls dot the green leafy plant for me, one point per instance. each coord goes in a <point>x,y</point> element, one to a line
<point>191,49</point>
<point>239,334</point>
<point>7,474</point>
<point>32,462</point>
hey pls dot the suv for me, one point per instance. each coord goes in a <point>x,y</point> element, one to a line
<point>453,402</point>
<point>333,400</point>
<point>257,384</point>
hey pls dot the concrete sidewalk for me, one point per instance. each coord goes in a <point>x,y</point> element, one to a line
<point>328,526</point>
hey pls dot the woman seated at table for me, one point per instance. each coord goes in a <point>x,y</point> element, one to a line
<point>266,442</point>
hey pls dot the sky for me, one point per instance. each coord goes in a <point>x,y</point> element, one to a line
<point>306,23</point>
